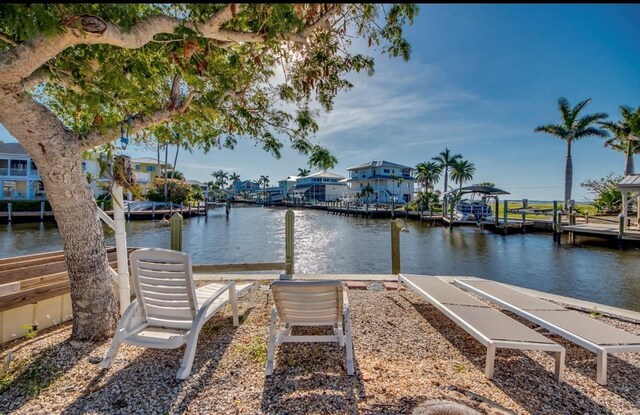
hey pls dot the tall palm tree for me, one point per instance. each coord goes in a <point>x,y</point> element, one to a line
<point>302,172</point>
<point>366,192</point>
<point>428,173</point>
<point>234,178</point>
<point>626,135</point>
<point>264,181</point>
<point>462,171</point>
<point>221,177</point>
<point>573,127</point>
<point>445,160</point>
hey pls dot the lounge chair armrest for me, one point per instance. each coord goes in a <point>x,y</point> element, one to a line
<point>128,315</point>
<point>200,317</point>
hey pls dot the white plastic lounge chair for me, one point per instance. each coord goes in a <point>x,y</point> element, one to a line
<point>310,303</point>
<point>591,334</point>
<point>169,311</point>
<point>487,325</point>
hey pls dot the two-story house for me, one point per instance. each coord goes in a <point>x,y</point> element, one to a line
<point>19,176</point>
<point>390,181</point>
<point>322,186</point>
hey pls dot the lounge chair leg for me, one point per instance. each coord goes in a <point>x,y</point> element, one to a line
<point>491,358</point>
<point>189,354</point>
<point>559,366</point>
<point>233,299</point>
<point>272,343</point>
<point>111,353</point>
<point>348,344</point>
<point>601,370</point>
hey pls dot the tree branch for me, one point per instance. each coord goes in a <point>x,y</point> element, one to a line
<point>140,121</point>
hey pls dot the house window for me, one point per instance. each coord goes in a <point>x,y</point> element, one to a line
<point>137,167</point>
<point>386,170</point>
<point>151,168</point>
<point>84,166</point>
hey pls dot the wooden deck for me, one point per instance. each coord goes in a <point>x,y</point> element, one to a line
<point>602,230</point>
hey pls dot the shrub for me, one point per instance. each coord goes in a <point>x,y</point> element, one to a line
<point>177,190</point>
<point>608,198</point>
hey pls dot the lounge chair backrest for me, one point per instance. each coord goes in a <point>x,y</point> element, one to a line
<point>308,303</point>
<point>163,283</point>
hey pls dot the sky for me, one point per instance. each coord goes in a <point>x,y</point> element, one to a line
<point>479,80</point>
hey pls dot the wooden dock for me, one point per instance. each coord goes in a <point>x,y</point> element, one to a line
<point>608,231</point>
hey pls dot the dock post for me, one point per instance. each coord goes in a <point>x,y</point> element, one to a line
<point>176,231</point>
<point>559,226</point>
<point>586,217</point>
<point>153,210</point>
<point>206,211</point>
<point>128,209</point>
<point>554,221</point>
<point>397,226</point>
<point>189,209</point>
<point>102,205</point>
<point>431,214</point>
<point>621,229</point>
<point>289,219</point>
<point>496,214</point>
<point>451,208</point>
<point>9,209</point>
<point>41,211</point>
<point>227,207</point>
<point>505,213</point>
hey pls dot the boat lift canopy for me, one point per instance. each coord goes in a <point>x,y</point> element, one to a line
<point>487,190</point>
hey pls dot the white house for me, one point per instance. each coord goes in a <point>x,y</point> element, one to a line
<point>19,176</point>
<point>390,181</point>
<point>322,186</point>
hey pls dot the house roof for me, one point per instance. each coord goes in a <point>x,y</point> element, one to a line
<point>323,173</point>
<point>147,160</point>
<point>379,163</point>
<point>12,148</point>
<point>199,183</point>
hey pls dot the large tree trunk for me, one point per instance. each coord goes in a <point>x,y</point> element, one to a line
<point>568,175</point>
<point>628,166</point>
<point>175,161</point>
<point>57,154</point>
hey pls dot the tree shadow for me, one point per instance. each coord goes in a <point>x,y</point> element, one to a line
<point>514,371</point>
<point>148,384</point>
<point>30,375</point>
<point>311,376</point>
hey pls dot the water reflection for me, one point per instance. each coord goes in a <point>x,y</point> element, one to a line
<point>335,244</point>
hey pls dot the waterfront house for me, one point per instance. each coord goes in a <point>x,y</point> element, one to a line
<point>246,186</point>
<point>19,176</point>
<point>146,169</point>
<point>322,186</point>
<point>390,181</point>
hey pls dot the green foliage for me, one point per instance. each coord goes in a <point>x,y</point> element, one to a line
<point>594,313</point>
<point>607,196</point>
<point>195,194</point>
<point>237,95</point>
<point>427,199</point>
<point>462,171</point>
<point>178,175</point>
<point>256,351</point>
<point>31,331</point>
<point>178,191</point>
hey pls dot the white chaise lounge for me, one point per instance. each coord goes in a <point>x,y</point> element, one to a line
<point>487,325</point>
<point>169,311</point>
<point>589,333</point>
<point>310,303</point>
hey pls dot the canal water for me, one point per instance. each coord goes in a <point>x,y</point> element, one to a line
<point>325,243</point>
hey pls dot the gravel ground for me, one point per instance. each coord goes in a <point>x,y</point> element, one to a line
<point>406,352</point>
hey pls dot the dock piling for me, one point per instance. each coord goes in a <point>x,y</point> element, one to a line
<point>289,219</point>
<point>397,226</point>
<point>9,209</point>
<point>41,211</point>
<point>506,217</point>
<point>176,231</point>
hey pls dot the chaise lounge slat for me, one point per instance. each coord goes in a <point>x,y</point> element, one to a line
<point>487,325</point>
<point>589,333</point>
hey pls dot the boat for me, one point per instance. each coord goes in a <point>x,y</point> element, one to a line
<point>476,207</point>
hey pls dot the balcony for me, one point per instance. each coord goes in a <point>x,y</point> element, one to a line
<point>143,177</point>
<point>18,172</point>
<point>4,171</point>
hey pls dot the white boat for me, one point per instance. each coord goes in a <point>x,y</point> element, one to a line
<point>476,208</point>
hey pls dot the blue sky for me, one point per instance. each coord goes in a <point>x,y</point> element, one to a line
<point>480,79</point>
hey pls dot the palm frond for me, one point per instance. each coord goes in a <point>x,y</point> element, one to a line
<point>565,110</point>
<point>588,119</point>
<point>579,107</point>
<point>558,130</point>
<point>589,132</point>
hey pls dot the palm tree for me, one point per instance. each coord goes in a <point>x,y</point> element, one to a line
<point>462,171</point>
<point>302,172</point>
<point>428,173</point>
<point>234,178</point>
<point>366,192</point>
<point>264,182</point>
<point>487,184</point>
<point>221,177</point>
<point>445,160</point>
<point>626,135</point>
<point>572,128</point>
